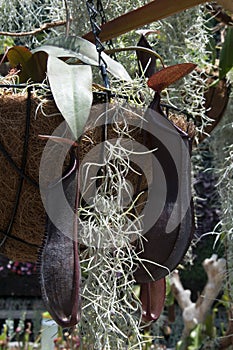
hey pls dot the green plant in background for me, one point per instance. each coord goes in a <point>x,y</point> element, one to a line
<point>226,54</point>
<point>20,337</point>
<point>196,340</point>
<point>5,43</point>
<point>3,338</point>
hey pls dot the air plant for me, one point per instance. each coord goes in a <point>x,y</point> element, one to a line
<point>109,301</point>
<point>185,36</point>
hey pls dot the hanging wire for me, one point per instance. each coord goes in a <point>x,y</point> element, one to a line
<point>109,42</point>
<point>94,13</point>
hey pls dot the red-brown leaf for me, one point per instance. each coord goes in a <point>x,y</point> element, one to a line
<point>151,12</point>
<point>169,75</point>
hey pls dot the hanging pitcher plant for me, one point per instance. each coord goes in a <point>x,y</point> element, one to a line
<point>127,183</point>
<point>67,62</point>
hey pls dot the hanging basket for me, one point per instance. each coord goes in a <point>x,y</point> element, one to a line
<point>23,223</point>
<point>23,216</point>
<point>22,213</point>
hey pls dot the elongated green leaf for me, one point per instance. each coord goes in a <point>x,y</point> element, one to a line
<point>71,86</point>
<point>226,56</point>
<point>85,51</point>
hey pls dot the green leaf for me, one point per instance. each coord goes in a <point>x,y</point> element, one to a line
<point>180,345</point>
<point>85,51</point>
<point>169,294</point>
<point>20,56</point>
<point>195,338</point>
<point>209,326</point>
<point>32,66</point>
<point>71,86</point>
<point>3,335</point>
<point>226,55</point>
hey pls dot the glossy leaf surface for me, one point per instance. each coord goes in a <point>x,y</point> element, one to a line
<point>168,236</point>
<point>59,260</point>
<point>152,296</point>
<point>153,11</point>
<point>169,75</point>
<point>146,62</point>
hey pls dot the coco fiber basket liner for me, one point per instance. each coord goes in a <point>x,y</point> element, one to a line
<point>22,212</point>
<point>22,224</point>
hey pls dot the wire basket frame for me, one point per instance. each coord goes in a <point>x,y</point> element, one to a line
<point>22,226</point>
<point>20,170</point>
<point>22,213</point>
